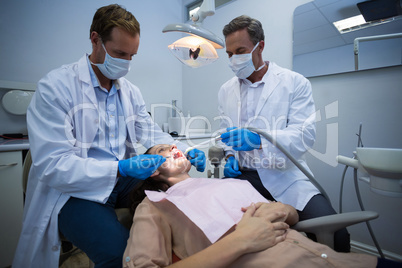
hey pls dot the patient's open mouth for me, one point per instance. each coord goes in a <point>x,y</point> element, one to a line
<point>176,153</point>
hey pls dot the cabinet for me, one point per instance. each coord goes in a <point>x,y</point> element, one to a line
<point>11,204</point>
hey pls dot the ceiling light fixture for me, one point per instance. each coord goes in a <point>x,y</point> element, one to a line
<point>198,49</point>
<point>358,22</point>
<point>349,23</point>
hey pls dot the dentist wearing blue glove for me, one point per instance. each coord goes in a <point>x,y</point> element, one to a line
<point>83,122</point>
<point>271,98</point>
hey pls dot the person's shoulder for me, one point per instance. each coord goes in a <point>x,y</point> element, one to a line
<point>62,73</point>
<point>61,70</point>
<point>151,209</point>
<point>145,205</point>
<point>281,71</point>
<point>126,84</point>
<point>57,79</point>
<point>228,85</point>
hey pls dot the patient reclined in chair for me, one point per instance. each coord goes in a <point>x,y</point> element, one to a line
<point>161,228</point>
<point>179,221</point>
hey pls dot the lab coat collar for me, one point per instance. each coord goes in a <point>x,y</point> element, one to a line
<point>85,77</point>
<point>83,70</point>
<point>89,102</point>
<point>94,79</point>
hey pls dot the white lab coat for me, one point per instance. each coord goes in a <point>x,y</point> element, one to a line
<point>286,111</point>
<point>62,123</point>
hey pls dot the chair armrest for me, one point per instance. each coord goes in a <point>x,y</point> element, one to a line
<point>325,227</point>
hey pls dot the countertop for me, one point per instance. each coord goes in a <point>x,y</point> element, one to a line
<point>7,145</point>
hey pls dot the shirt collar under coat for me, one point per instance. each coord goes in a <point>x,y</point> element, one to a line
<point>270,80</point>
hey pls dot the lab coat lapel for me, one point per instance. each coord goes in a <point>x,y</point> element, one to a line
<point>237,89</point>
<point>90,114</point>
<point>129,115</point>
<point>238,103</point>
<point>271,81</point>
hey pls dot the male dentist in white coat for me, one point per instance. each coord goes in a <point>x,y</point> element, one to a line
<point>279,101</point>
<point>83,123</point>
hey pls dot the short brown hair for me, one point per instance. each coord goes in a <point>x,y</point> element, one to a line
<point>108,17</point>
<point>253,26</point>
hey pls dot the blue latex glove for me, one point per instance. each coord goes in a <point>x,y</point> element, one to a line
<point>241,139</point>
<point>140,166</point>
<point>231,169</point>
<point>197,159</point>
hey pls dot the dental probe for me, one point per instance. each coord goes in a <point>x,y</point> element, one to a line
<point>145,159</point>
<point>217,138</point>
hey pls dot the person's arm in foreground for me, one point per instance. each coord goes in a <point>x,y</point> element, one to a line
<point>252,234</point>
<point>266,209</point>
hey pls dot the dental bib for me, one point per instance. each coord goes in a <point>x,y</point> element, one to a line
<point>214,205</point>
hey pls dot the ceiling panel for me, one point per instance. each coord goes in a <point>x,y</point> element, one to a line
<point>313,35</point>
<point>320,3</point>
<point>314,31</point>
<point>304,8</point>
<point>340,10</point>
<point>323,44</point>
<point>309,20</point>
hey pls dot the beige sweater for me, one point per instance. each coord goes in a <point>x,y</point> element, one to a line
<point>160,229</point>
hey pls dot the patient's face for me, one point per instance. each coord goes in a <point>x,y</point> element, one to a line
<point>176,162</point>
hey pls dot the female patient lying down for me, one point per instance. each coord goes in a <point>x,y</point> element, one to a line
<point>217,223</point>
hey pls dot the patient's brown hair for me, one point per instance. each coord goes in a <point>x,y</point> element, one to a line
<point>137,194</point>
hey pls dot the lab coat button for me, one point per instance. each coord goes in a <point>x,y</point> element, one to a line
<point>324,256</point>
<point>55,248</point>
<point>128,259</point>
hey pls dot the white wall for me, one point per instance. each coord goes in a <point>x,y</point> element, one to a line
<point>38,36</point>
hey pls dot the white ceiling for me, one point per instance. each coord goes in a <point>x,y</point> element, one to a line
<point>314,31</point>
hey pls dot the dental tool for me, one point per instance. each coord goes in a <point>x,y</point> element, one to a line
<point>145,159</point>
<point>214,139</point>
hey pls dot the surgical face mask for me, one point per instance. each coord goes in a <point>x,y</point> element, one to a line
<point>113,68</point>
<point>242,64</point>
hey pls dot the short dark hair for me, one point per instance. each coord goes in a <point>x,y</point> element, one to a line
<point>108,17</point>
<point>253,26</point>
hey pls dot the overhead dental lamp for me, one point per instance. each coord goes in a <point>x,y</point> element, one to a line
<point>198,49</point>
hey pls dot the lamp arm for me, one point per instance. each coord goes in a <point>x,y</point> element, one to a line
<point>207,8</point>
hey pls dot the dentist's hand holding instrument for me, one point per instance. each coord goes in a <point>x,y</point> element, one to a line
<point>197,159</point>
<point>231,169</point>
<point>241,139</point>
<point>140,166</point>
<point>196,156</point>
